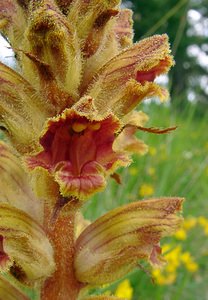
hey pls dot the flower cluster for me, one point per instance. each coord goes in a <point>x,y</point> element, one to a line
<point>69,116</point>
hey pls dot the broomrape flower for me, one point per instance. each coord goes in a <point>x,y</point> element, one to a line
<point>70,119</point>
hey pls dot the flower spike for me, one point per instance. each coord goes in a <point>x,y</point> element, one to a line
<point>69,116</point>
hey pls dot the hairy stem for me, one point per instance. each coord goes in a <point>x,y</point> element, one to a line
<point>62,285</point>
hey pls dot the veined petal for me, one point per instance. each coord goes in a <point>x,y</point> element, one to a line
<point>78,150</point>
<point>109,248</point>
<point>21,109</point>
<point>12,21</point>
<point>91,181</point>
<point>14,184</point>
<point>140,63</point>
<point>133,93</point>
<point>25,243</point>
<point>9,292</point>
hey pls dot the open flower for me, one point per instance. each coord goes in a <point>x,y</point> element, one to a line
<point>78,151</point>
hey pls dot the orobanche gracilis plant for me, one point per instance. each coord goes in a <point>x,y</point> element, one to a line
<point>69,116</point>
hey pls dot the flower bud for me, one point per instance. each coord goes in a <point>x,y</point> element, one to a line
<point>108,248</point>
<point>49,37</point>
<point>25,243</point>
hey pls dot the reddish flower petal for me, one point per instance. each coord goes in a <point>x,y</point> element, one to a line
<point>90,181</point>
<point>78,152</point>
<point>4,258</point>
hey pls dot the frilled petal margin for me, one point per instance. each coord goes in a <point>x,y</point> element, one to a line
<point>112,245</point>
<point>78,152</point>
<point>128,77</point>
<point>9,292</point>
<point>25,243</point>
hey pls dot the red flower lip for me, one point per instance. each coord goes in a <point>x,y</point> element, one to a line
<point>78,152</point>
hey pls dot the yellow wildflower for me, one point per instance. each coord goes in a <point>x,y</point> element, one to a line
<point>173,259</point>
<point>146,190</point>
<point>181,234</point>
<point>124,290</point>
<point>152,151</point>
<point>163,279</point>
<point>189,223</point>
<point>204,223</point>
<point>189,262</point>
<point>166,248</point>
<point>133,171</point>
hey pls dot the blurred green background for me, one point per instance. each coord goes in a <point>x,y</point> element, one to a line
<point>177,163</point>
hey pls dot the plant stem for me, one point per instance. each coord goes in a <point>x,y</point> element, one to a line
<point>62,285</point>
